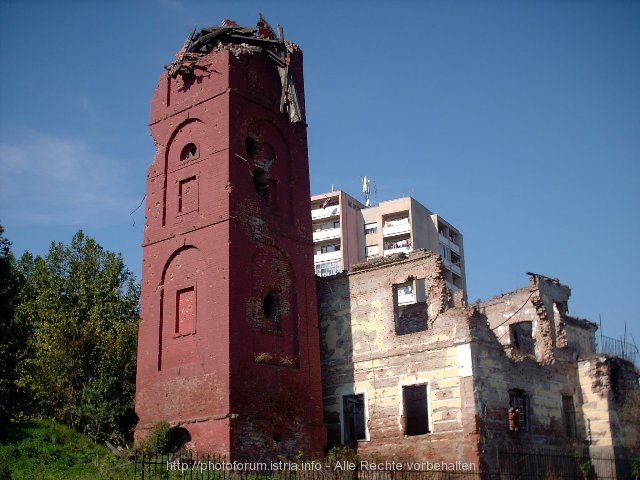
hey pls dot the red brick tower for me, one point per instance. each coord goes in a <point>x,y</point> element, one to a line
<point>228,349</point>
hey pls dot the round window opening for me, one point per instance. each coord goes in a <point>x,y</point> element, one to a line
<point>188,151</point>
<point>271,307</point>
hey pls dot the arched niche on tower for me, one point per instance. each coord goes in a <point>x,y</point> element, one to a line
<point>184,151</point>
<point>272,308</point>
<point>269,157</point>
<point>181,308</point>
<point>186,144</point>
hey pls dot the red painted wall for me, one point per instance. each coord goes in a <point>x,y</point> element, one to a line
<point>228,342</point>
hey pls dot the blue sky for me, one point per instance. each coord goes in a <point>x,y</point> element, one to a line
<point>518,122</point>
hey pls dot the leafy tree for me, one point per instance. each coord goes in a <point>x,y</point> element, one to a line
<point>12,337</point>
<point>81,304</point>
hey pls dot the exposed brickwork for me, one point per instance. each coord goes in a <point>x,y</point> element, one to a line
<point>227,255</point>
<point>604,384</point>
<point>501,374</point>
<point>361,353</point>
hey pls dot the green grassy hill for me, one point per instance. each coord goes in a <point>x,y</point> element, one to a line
<point>45,450</point>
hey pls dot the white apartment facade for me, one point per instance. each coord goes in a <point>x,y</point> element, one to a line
<point>345,232</point>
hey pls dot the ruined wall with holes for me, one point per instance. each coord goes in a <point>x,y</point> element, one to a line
<point>503,375</point>
<point>363,354</point>
<point>529,345</point>
<point>228,340</point>
<point>604,383</point>
<point>533,321</point>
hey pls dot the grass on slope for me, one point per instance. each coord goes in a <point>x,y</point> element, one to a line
<point>49,451</point>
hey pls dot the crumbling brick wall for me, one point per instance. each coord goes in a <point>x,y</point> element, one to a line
<point>362,353</point>
<point>545,373</point>
<point>228,342</point>
<point>499,377</point>
<point>605,384</point>
<point>502,374</point>
<point>543,304</point>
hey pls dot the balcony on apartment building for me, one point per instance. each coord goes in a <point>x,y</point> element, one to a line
<point>327,253</point>
<point>330,208</point>
<point>328,268</point>
<point>451,260</point>
<point>400,245</point>
<point>396,226</point>
<point>326,257</point>
<point>327,234</point>
<point>449,238</point>
<point>326,231</point>
<point>405,293</point>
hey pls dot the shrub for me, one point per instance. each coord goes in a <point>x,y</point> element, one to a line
<point>158,441</point>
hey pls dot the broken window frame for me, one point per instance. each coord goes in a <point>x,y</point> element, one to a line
<point>189,152</point>
<point>520,340</point>
<point>415,409</point>
<point>519,410</point>
<point>354,418</point>
<point>416,296</point>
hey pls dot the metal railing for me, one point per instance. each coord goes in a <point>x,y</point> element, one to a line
<point>510,466</point>
<point>618,348</point>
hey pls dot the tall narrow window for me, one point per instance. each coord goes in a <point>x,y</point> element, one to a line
<point>415,402</point>
<point>353,417</point>
<point>518,410</point>
<point>569,414</point>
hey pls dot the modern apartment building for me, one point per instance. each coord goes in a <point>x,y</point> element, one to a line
<point>337,223</point>
<point>346,232</point>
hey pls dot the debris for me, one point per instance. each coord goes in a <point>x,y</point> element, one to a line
<point>240,40</point>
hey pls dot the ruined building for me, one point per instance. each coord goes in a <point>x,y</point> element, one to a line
<point>430,377</point>
<point>247,353</point>
<point>228,344</point>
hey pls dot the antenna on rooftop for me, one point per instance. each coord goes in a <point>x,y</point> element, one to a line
<point>367,187</point>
